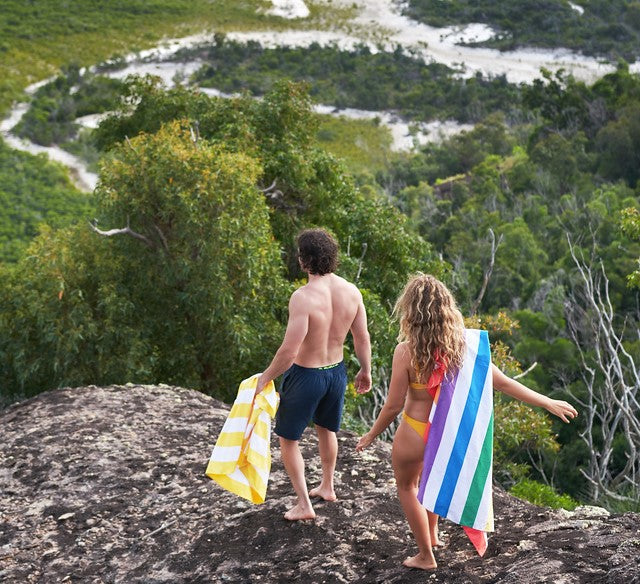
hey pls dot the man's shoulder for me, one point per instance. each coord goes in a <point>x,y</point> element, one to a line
<point>346,285</point>
<point>301,297</point>
<point>299,294</point>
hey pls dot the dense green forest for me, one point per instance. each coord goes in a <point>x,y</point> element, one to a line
<point>531,218</point>
<point>552,194</point>
<point>359,79</point>
<point>33,192</point>
<point>608,28</point>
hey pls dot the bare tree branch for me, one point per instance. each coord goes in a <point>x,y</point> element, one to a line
<point>130,144</point>
<point>488,271</point>
<point>612,380</point>
<point>123,231</point>
<point>272,192</point>
<point>360,261</point>
<point>164,525</point>
<point>195,135</point>
<point>528,370</point>
<point>269,188</point>
<point>165,244</point>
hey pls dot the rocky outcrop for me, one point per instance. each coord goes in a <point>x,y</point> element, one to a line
<point>107,485</point>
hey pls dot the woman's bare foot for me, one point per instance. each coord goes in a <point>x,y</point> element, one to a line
<point>299,513</point>
<point>420,562</point>
<point>326,494</point>
<point>436,542</point>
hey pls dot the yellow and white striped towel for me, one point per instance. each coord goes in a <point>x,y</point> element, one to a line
<point>241,459</point>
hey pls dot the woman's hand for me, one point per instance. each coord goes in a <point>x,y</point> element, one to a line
<point>364,441</point>
<point>562,409</point>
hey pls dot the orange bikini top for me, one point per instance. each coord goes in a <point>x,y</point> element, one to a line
<point>435,379</point>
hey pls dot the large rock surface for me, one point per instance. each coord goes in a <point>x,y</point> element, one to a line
<point>106,484</point>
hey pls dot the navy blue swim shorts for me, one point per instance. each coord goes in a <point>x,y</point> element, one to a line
<point>310,393</point>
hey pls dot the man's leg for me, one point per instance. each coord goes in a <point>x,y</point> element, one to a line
<point>294,465</point>
<point>328,446</point>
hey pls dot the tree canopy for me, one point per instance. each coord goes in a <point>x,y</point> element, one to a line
<point>205,197</point>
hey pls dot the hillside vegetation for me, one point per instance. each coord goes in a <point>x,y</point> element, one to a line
<point>37,38</point>
<point>606,28</point>
<point>34,192</point>
<point>376,81</point>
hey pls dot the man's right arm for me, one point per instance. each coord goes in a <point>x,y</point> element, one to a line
<point>296,332</point>
<point>362,347</point>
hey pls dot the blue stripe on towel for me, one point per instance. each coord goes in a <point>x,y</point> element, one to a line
<point>481,365</point>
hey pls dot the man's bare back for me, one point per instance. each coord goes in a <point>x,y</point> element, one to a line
<point>331,306</point>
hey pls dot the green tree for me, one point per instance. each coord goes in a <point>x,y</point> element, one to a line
<point>205,209</point>
<point>618,146</point>
<point>519,264</point>
<point>189,292</point>
<point>304,185</point>
<point>630,223</point>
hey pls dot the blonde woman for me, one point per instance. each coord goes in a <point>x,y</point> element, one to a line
<point>431,341</point>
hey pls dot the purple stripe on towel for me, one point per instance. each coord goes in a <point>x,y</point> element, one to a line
<point>437,429</point>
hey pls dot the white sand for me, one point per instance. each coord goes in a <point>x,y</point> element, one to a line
<point>289,9</point>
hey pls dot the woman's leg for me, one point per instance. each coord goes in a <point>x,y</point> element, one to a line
<point>408,450</point>
<point>434,531</point>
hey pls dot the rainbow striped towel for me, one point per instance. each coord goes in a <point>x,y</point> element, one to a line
<point>241,459</point>
<point>456,480</point>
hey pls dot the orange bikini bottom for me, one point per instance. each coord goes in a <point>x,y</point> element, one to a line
<point>417,425</point>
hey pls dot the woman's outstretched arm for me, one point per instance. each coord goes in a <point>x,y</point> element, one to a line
<point>395,398</point>
<point>564,410</point>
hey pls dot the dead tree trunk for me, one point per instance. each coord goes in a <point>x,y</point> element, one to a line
<point>611,376</point>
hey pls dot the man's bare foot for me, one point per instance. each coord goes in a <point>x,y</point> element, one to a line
<point>299,513</point>
<point>421,563</point>
<point>326,494</point>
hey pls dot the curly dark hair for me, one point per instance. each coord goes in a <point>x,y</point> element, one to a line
<point>317,251</point>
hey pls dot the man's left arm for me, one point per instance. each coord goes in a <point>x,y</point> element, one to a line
<point>297,327</point>
<point>362,347</point>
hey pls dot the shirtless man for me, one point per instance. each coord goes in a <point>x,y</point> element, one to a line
<point>321,313</point>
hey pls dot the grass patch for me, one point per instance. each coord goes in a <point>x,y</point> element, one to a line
<point>364,145</point>
<point>543,495</point>
<point>34,191</point>
<point>39,38</point>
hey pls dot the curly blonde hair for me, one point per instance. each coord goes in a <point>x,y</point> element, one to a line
<point>431,323</point>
